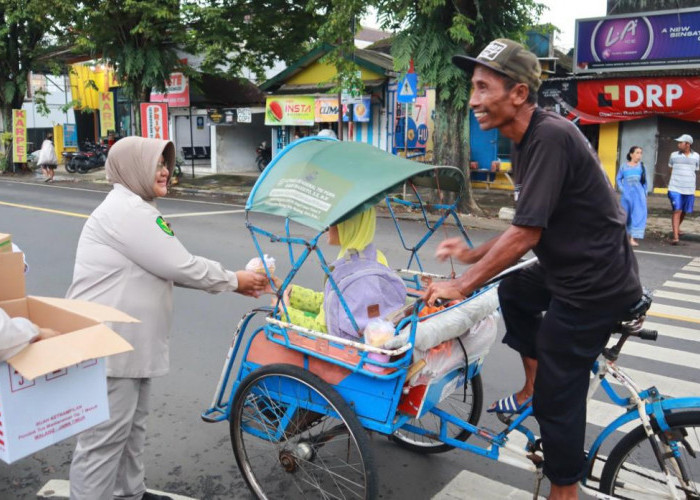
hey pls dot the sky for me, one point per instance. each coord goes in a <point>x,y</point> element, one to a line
<point>563,15</point>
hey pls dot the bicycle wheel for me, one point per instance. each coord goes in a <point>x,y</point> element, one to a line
<point>632,470</point>
<point>295,437</point>
<point>466,406</point>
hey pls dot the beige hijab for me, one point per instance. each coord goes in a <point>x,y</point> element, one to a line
<point>133,161</point>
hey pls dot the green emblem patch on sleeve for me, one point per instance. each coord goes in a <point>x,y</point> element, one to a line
<point>164,226</point>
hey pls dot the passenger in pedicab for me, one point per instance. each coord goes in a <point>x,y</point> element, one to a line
<point>370,288</point>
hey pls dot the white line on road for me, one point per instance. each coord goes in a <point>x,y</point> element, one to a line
<point>684,297</point>
<point>60,488</point>
<point>197,214</point>
<point>668,386</point>
<point>54,186</point>
<point>467,484</point>
<point>656,353</point>
<point>684,286</point>
<point>691,268</point>
<point>673,312</point>
<point>663,254</point>
<point>676,332</point>
<point>687,276</point>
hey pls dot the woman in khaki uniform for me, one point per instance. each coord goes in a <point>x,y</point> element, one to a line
<point>129,258</point>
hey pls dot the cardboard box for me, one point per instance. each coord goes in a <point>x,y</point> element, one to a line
<point>55,388</point>
<point>5,243</point>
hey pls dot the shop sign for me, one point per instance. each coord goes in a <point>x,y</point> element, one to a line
<point>19,136</point>
<point>177,92</point>
<point>244,115</point>
<point>360,110</point>
<point>70,135</point>
<point>215,116</point>
<point>154,120</point>
<point>650,40</point>
<point>326,109</point>
<point>633,98</point>
<point>107,119</point>
<point>415,133</point>
<point>289,111</point>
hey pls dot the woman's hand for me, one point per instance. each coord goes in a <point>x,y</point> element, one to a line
<point>251,284</point>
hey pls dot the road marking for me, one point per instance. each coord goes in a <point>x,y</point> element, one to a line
<point>48,210</point>
<point>197,214</point>
<point>684,297</point>
<point>54,186</point>
<point>676,332</point>
<point>663,354</point>
<point>467,484</point>
<point>663,254</point>
<point>60,488</point>
<point>687,276</point>
<point>684,286</point>
<point>673,312</point>
<point>668,386</point>
<point>692,268</point>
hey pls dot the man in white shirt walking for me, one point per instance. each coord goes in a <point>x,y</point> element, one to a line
<point>681,188</point>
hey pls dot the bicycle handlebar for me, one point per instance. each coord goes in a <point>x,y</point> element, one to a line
<point>645,334</point>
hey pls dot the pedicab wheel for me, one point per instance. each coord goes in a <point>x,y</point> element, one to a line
<point>464,404</point>
<point>294,436</point>
<point>632,470</point>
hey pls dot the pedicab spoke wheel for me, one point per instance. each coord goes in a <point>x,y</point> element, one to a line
<point>465,403</point>
<point>294,436</point>
<point>632,470</point>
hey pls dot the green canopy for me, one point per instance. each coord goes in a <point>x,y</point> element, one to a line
<point>319,182</point>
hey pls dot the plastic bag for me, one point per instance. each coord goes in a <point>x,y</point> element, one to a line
<point>256,265</point>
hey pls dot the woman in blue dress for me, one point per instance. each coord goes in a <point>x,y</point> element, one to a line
<point>632,184</point>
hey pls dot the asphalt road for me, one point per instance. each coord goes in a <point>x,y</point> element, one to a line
<point>187,456</point>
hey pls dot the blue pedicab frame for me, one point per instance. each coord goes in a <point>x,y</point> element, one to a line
<point>371,391</point>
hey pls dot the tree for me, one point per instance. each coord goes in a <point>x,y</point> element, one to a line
<point>28,28</point>
<point>430,32</point>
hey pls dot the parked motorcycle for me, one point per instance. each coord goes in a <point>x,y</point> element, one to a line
<point>92,156</point>
<point>264,151</point>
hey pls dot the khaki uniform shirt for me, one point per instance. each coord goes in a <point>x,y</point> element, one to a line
<point>128,258</point>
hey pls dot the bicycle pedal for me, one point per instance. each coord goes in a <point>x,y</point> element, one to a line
<point>506,418</point>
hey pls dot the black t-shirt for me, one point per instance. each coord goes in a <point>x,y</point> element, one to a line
<point>561,187</point>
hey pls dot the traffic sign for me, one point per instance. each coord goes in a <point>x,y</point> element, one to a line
<point>408,88</point>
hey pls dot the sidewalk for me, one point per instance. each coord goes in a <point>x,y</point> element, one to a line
<point>236,187</point>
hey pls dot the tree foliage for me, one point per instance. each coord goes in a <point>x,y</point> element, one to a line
<point>430,32</point>
<point>28,27</point>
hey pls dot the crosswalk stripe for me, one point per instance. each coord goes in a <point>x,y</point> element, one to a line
<point>668,386</point>
<point>674,312</point>
<point>691,268</point>
<point>60,488</point>
<point>601,414</point>
<point>468,484</point>
<point>676,332</point>
<point>654,352</point>
<point>684,286</point>
<point>684,297</point>
<point>687,276</point>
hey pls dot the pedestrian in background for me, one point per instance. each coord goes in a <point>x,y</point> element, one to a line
<point>129,258</point>
<point>681,188</point>
<point>632,184</point>
<point>47,158</point>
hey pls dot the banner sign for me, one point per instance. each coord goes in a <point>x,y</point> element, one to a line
<point>177,92</point>
<point>154,120</point>
<point>106,107</point>
<point>19,136</point>
<point>70,135</point>
<point>658,40</point>
<point>416,134</point>
<point>327,110</point>
<point>612,100</point>
<point>289,111</point>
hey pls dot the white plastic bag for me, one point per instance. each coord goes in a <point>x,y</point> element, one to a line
<point>256,265</point>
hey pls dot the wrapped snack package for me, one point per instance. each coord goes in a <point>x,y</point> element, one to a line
<point>377,333</point>
<point>256,265</point>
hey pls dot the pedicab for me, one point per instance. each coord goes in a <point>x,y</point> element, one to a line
<point>300,403</point>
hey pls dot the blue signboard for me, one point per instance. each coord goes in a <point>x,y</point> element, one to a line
<point>658,40</point>
<point>70,135</point>
<point>407,90</point>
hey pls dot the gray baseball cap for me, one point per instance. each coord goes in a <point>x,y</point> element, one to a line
<point>685,138</point>
<point>508,58</point>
